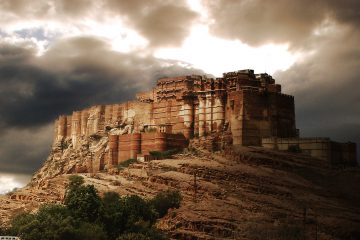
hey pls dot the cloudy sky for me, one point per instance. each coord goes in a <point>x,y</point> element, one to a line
<point>57,56</point>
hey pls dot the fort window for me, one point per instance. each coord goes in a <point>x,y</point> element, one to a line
<point>232,104</point>
<point>162,129</point>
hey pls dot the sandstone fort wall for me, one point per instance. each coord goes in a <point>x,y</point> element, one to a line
<point>246,106</point>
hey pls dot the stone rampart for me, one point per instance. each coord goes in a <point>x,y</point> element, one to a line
<point>245,106</point>
<point>329,151</point>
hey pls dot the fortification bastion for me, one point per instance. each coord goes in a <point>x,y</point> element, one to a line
<point>240,108</point>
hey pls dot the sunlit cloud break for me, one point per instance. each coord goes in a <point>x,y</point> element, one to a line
<point>8,182</point>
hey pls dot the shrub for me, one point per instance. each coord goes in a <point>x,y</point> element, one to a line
<point>89,231</point>
<point>126,163</point>
<point>54,222</point>
<point>95,137</point>
<point>75,181</point>
<point>137,209</point>
<point>85,215</point>
<point>83,201</point>
<point>163,201</point>
<point>113,214</point>
<point>164,154</point>
<point>19,222</point>
<point>64,144</point>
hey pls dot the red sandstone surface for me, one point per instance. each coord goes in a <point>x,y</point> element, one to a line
<point>241,105</point>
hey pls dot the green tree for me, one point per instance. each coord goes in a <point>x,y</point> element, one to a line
<point>20,222</point>
<point>89,231</point>
<point>75,181</point>
<point>137,209</point>
<point>85,215</point>
<point>163,201</point>
<point>54,222</point>
<point>4,231</point>
<point>51,222</point>
<point>83,201</point>
<point>112,214</point>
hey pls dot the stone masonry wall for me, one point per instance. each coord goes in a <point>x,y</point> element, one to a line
<point>241,107</point>
<point>334,153</point>
<point>250,105</point>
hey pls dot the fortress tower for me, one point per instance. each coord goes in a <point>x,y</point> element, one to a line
<point>247,107</point>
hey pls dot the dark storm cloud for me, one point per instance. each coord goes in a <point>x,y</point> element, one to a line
<point>258,22</point>
<point>24,150</point>
<point>71,7</point>
<point>325,85</point>
<point>325,80</point>
<point>73,74</point>
<point>43,9</point>
<point>162,23</point>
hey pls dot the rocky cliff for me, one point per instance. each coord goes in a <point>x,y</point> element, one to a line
<point>244,193</point>
<point>228,192</point>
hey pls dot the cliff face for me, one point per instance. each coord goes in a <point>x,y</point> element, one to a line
<point>65,159</point>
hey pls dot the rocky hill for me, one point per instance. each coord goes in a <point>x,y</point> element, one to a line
<point>242,193</point>
<point>234,193</point>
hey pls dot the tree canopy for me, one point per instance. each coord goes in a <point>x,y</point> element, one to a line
<point>86,215</point>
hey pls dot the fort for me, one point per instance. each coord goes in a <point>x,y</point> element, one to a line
<point>240,108</point>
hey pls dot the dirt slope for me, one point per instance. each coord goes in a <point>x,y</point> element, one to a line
<point>248,193</point>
